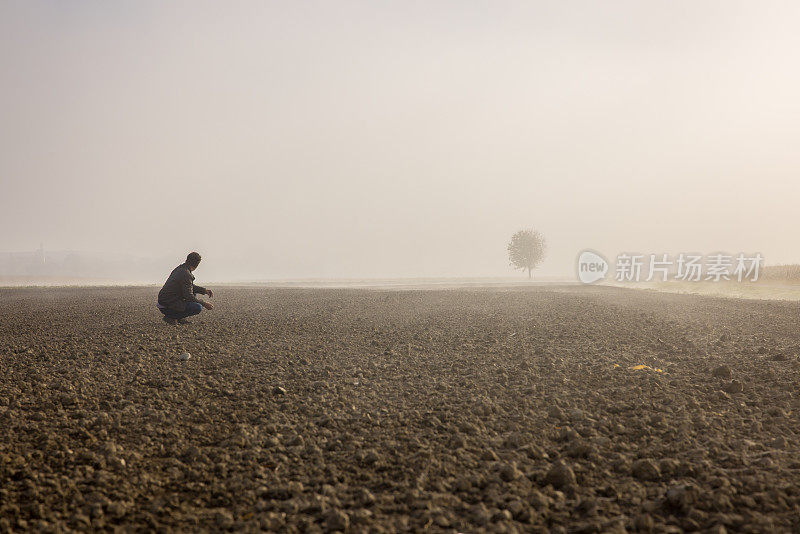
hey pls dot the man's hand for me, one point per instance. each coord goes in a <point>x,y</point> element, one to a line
<point>208,305</point>
<point>209,293</point>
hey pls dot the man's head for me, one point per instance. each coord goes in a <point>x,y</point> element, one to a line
<point>193,260</point>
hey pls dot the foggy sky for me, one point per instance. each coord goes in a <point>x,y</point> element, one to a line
<point>384,139</point>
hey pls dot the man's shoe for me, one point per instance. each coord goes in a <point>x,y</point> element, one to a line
<point>170,320</point>
<point>184,321</point>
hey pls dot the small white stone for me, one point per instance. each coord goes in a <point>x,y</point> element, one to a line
<point>185,356</point>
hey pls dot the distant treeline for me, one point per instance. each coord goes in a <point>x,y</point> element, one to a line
<point>64,264</point>
<point>780,272</point>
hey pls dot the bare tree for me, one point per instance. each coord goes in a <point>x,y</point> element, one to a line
<point>527,250</point>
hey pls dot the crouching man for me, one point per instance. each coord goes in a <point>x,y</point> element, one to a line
<point>177,299</point>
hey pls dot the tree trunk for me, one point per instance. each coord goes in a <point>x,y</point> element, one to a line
<point>529,273</point>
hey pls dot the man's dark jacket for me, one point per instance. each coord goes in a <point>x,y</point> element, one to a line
<point>179,289</point>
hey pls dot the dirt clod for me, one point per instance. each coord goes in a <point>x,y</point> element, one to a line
<point>722,371</point>
<point>560,475</point>
<point>645,469</point>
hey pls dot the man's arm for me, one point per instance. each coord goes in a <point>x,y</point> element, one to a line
<point>203,291</point>
<point>190,289</point>
<point>187,290</point>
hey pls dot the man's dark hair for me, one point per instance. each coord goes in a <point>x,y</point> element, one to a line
<point>193,259</point>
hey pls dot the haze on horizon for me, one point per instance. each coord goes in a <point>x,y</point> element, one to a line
<point>398,139</point>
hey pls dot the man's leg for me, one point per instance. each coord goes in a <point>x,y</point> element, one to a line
<point>167,315</point>
<point>192,308</point>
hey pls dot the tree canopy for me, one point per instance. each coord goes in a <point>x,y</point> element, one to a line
<point>526,250</point>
